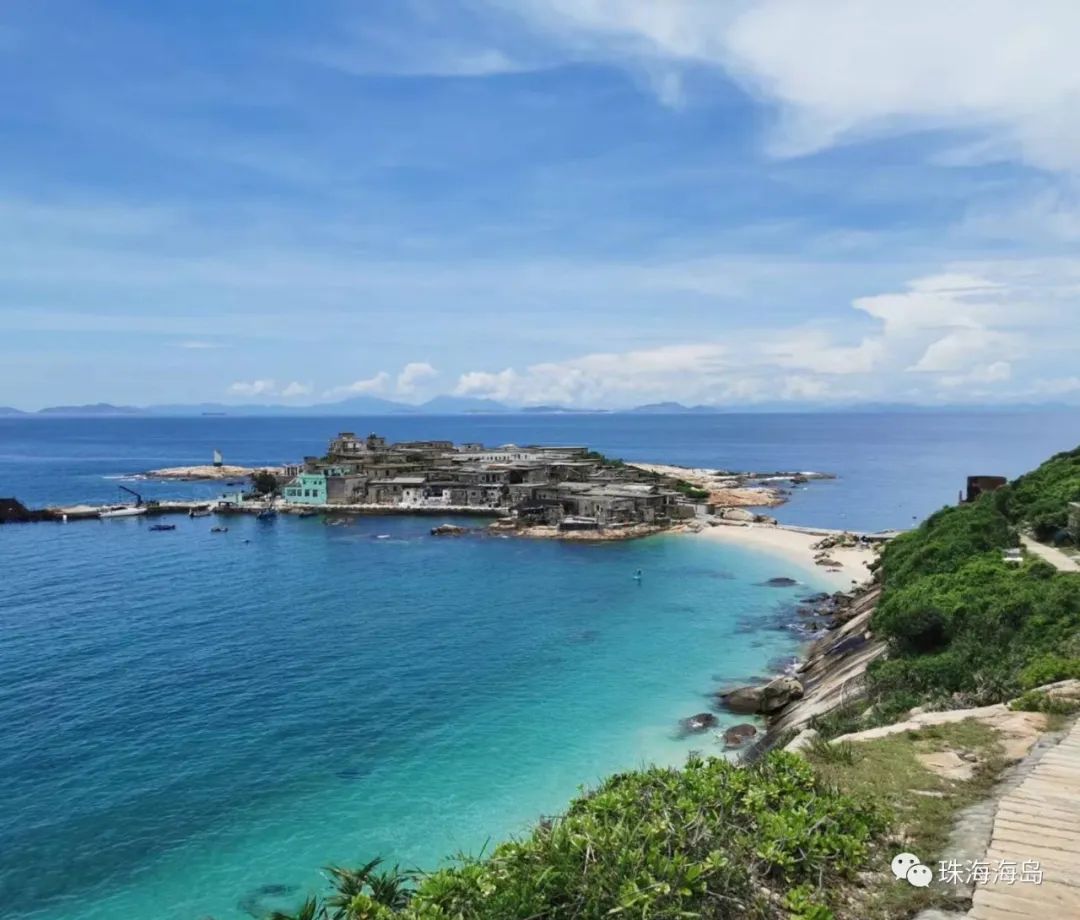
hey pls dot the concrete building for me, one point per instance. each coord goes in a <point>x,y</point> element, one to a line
<point>306,489</point>
<point>978,485</point>
<point>537,484</point>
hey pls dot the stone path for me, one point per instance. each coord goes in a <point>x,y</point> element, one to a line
<point>1038,820</point>
<point>1055,557</point>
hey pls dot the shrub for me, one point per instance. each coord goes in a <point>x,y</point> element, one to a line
<point>1036,701</point>
<point>1047,669</point>
<point>710,840</point>
<point>963,625</point>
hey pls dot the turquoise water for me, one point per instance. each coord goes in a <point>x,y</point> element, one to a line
<point>190,717</point>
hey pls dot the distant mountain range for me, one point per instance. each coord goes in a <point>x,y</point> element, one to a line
<point>357,405</point>
<point>467,405</point>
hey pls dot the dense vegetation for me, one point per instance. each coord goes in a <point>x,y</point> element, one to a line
<point>264,483</point>
<point>711,840</point>
<point>963,623</point>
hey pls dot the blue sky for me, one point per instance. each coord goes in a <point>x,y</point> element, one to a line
<point>588,202</point>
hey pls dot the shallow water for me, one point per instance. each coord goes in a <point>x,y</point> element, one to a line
<point>189,717</point>
<point>191,724</point>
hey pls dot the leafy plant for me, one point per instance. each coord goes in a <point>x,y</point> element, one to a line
<point>710,840</point>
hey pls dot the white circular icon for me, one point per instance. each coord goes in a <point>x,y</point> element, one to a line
<point>920,876</point>
<point>902,863</point>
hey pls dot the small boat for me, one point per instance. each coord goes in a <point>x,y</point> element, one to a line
<point>267,514</point>
<point>124,511</point>
<point>199,512</point>
<point>307,514</point>
<point>160,527</point>
<point>219,530</point>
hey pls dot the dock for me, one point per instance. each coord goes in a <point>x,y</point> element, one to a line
<point>85,512</point>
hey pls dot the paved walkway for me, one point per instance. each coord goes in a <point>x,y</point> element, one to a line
<point>1039,820</point>
<point>1055,557</point>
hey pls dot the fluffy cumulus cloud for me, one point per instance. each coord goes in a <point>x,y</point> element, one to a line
<point>266,388</point>
<point>834,70</point>
<point>966,328</point>
<point>408,383</point>
<point>366,386</point>
<point>253,388</point>
<point>413,375</point>
<point>296,389</point>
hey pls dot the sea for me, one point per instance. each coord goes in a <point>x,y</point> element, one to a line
<point>193,724</point>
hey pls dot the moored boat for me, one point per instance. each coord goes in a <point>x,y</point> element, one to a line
<point>122,511</point>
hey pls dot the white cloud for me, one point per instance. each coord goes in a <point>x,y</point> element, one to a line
<point>412,375</point>
<point>963,348</point>
<point>997,372</point>
<point>295,389</point>
<point>199,345</point>
<point>376,384</point>
<point>600,378</point>
<point>968,325</point>
<point>253,388</point>
<point>816,351</point>
<point>838,70</point>
<point>1057,386</point>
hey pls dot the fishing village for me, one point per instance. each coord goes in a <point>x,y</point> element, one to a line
<point>566,491</point>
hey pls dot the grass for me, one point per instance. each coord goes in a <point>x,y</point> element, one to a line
<point>921,804</point>
<point>827,752</point>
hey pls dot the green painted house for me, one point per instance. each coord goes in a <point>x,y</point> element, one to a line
<point>306,489</point>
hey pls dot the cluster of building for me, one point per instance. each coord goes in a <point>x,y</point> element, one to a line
<point>569,487</point>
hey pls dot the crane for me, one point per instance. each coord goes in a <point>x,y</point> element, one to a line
<point>138,497</point>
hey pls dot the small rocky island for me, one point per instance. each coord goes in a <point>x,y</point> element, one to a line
<point>569,492</point>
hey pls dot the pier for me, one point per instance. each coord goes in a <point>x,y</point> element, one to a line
<point>14,512</point>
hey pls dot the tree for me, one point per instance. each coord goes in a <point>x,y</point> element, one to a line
<point>349,885</point>
<point>264,483</point>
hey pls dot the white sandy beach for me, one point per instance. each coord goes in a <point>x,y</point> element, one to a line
<point>797,548</point>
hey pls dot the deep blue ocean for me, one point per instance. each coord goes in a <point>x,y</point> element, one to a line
<point>191,724</point>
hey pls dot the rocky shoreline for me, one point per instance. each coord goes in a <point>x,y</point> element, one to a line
<point>207,473</point>
<point>829,675</point>
<point>731,489</point>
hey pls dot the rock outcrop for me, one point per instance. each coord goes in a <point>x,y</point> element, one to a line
<point>448,530</point>
<point>776,694</point>
<point>765,700</point>
<point>738,735</point>
<point>742,700</point>
<point>698,723</point>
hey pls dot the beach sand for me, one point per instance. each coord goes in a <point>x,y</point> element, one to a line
<point>796,548</point>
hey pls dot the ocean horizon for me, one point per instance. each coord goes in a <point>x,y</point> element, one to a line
<point>195,723</point>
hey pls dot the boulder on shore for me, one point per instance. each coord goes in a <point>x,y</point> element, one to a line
<point>778,693</point>
<point>447,530</point>
<point>738,735</point>
<point>698,723</point>
<point>742,700</point>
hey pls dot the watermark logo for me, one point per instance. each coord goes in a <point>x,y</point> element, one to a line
<point>908,867</point>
